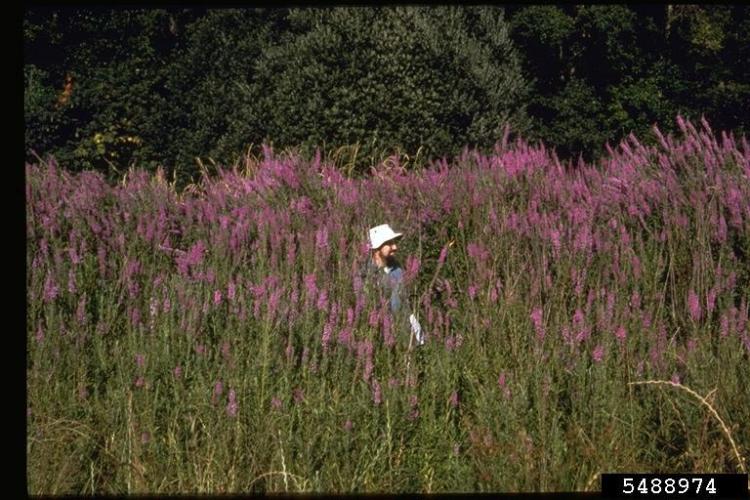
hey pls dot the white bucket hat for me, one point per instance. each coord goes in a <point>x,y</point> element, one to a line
<point>380,234</point>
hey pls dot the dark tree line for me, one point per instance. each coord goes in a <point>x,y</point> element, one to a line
<point>108,88</point>
<point>603,71</point>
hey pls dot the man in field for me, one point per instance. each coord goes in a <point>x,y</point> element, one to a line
<point>385,270</point>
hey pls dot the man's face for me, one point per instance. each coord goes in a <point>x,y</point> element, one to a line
<point>388,250</point>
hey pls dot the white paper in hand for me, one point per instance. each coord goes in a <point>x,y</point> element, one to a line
<point>416,329</point>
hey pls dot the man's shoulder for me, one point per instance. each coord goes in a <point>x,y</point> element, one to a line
<point>367,269</point>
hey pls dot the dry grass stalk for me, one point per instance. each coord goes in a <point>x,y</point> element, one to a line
<point>710,409</point>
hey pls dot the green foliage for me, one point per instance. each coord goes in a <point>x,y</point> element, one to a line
<point>115,108</point>
<point>601,72</point>
<point>210,79</point>
<point>571,119</point>
<point>43,122</point>
<point>543,32</point>
<point>125,349</point>
<point>108,88</point>
<point>401,77</point>
<point>706,45</point>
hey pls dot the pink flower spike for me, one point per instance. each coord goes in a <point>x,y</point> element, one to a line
<point>694,306</point>
<point>598,354</point>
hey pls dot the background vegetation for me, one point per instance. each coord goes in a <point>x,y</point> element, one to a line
<point>198,188</point>
<point>218,340</point>
<point>165,87</point>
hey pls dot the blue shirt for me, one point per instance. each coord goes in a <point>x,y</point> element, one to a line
<point>390,281</point>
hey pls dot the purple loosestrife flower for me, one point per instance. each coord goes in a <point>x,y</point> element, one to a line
<point>153,307</point>
<point>298,395</point>
<point>276,403</point>
<point>450,343</point>
<point>731,281</point>
<point>724,328</point>
<point>291,248</point>
<point>135,317</point>
<point>414,405</point>
<point>711,300</point>
<point>374,318</point>
<point>326,337</point>
<point>209,277</point>
<point>635,301</point>
<point>81,310</point>
<point>598,354</point>
<point>289,350</point>
<point>232,405</point>
<point>310,286</point>
<point>140,360</point>
<point>388,338</point>
<point>218,390</point>
<point>75,259</point>
<point>322,304</point>
<point>231,291</point>
<point>321,238</point>
<point>192,258</point>
<point>365,351</point>
<point>39,334</point>
<point>590,297</point>
<point>140,382</point>
<point>554,236</point>
<point>493,294</point>
<point>721,230</point>
<point>413,401</point>
<point>646,320</point>
<point>412,268</point>
<point>578,318</point>
<point>443,255</point>
<point>177,372</point>
<point>51,290</point>
<point>72,288</point>
<point>621,334</point>
<point>694,305</point>
<point>273,301</point>
<point>567,336</point>
<point>217,297</point>
<point>742,318</point>
<point>536,319</point>
<point>256,308</point>
<point>636,265</point>
<point>345,337</point>
<point>453,399</point>
<point>377,396</point>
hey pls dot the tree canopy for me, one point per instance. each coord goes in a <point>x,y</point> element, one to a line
<point>107,88</point>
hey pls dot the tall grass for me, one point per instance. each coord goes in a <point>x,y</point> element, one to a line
<point>218,339</point>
